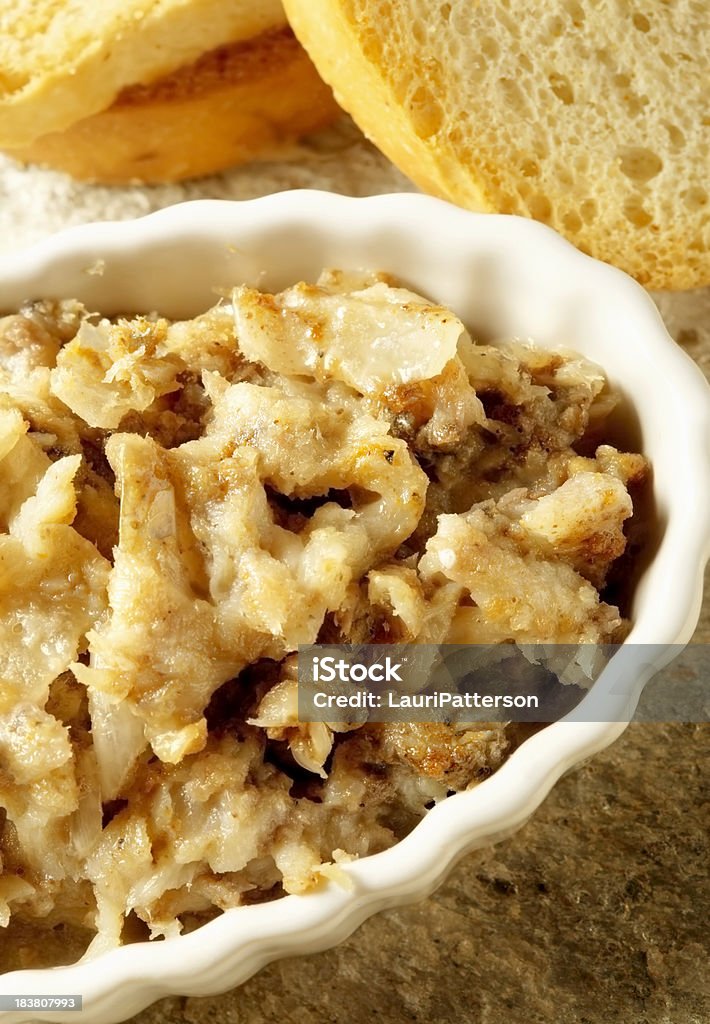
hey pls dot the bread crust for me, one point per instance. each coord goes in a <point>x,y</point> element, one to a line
<point>61,60</point>
<point>234,104</point>
<point>361,90</point>
<point>437,160</point>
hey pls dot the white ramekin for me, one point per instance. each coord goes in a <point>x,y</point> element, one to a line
<point>505,277</point>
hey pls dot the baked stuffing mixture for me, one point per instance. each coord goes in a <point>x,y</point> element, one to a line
<point>183,503</point>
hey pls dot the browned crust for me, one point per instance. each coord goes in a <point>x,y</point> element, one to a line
<point>234,104</point>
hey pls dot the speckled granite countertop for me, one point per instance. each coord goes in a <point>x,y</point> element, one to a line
<point>594,913</point>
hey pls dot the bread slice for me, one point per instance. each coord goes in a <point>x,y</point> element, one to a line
<point>233,104</point>
<point>63,60</point>
<point>589,115</point>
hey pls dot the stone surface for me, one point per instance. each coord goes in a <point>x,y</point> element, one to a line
<point>594,913</point>
<point>591,914</point>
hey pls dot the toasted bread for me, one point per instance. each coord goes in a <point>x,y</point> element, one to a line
<point>63,60</point>
<point>233,104</point>
<point>591,117</point>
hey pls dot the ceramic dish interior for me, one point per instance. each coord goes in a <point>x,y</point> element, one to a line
<point>506,278</point>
